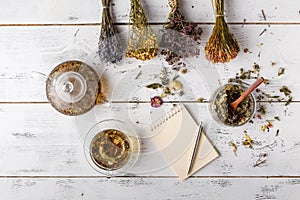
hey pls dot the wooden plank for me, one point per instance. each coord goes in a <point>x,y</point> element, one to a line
<point>28,49</point>
<point>89,11</point>
<point>36,140</point>
<point>140,188</point>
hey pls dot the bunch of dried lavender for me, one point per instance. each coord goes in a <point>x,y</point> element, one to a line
<point>142,41</point>
<point>222,45</point>
<point>180,38</point>
<point>109,45</point>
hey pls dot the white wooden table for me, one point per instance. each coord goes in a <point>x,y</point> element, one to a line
<point>41,155</point>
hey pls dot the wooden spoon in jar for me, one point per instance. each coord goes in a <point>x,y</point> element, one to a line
<point>235,104</point>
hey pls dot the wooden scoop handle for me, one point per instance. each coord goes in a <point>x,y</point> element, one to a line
<point>235,104</point>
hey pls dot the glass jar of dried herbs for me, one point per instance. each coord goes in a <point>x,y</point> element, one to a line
<point>221,110</point>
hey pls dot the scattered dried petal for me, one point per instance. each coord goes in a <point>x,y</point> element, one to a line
<point>175,86</point>
<point>156,101</point>
<point>200,99</point>
<point>266,81</point>
<point>234,147</point>
<point>184,71</point>
<point>267,126</point>
<point>281,71</point>
<point>248,141</point>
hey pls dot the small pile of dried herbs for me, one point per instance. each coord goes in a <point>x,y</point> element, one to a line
<point>180,37</point>
<point>142,41</point>
<point>169,87</point>
<point>109,45</point>
<point>222,45</point>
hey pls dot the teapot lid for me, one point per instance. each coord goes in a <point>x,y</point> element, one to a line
<point>72,87</point>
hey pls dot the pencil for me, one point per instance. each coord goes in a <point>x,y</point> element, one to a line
<point>195,147</point>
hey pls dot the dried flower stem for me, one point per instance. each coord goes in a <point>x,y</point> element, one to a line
<point>110,50</point>
<point>180,38</point>
<point>222,45</point>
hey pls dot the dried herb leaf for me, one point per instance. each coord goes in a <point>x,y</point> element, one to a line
<point>281,71</point>
<point>288,101</point>
<point>262,110</point>
<point>164,76</point>
<point>277,132</point>
<point>248,141</point>
<point>277,118</point>
<point>266,81</point>
<point>154,86</point>
<point>285,90</point>
<point>234,147</point>
<point>261,160</point>
<point>138,75</point>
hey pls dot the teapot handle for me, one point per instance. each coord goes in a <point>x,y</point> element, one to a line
<point>35,75</point>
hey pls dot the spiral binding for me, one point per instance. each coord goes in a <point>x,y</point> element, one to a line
<point>176,109</point>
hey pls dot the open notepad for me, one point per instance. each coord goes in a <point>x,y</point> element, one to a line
<point>174,135</point>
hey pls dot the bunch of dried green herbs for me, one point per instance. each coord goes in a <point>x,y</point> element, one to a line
<point>110,50</point>
<point>222,45</point>
<point>180,37</point>
<point>142,41</point>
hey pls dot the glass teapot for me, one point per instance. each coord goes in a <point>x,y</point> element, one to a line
<point>73,88</point>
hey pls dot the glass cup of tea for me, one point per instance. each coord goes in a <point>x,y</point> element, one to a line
<point>112,147</point>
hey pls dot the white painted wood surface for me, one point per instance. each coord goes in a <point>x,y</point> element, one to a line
<point>89,11</point>
<point>41,153</point>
